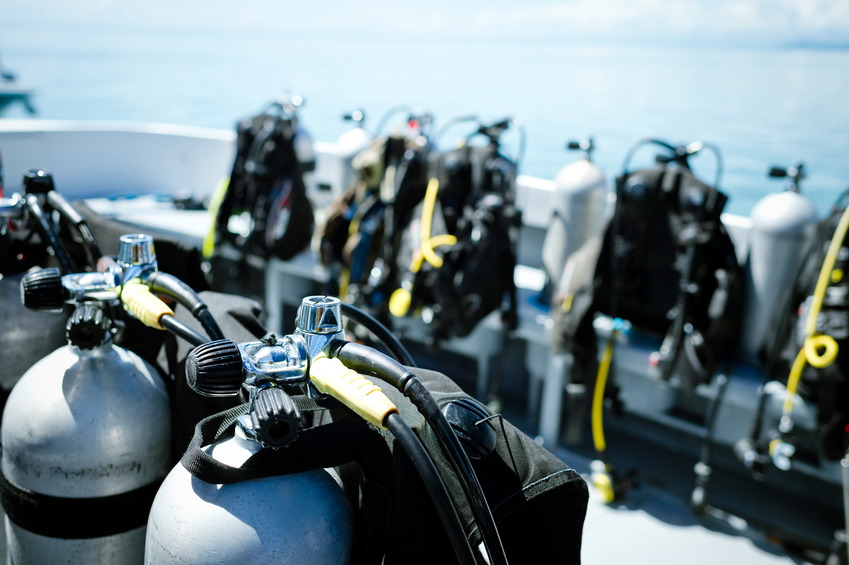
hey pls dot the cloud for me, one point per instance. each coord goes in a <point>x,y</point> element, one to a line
<point>738,21</point>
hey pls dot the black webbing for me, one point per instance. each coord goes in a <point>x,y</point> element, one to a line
<point>76,518</point>
<point>323,446</point>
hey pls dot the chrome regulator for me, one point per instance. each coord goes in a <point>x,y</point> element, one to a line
<point>222,368</point>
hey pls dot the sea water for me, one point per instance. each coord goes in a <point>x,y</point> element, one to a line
<point>761,106</point>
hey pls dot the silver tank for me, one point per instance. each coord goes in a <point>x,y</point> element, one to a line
<point>85,424</point>
<point>783,228</point>
<point>579,207</point>
<point>302,519</point>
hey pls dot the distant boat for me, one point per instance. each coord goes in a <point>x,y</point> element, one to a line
<point>12,91</point>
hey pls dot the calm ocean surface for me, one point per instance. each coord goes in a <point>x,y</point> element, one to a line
<point>760,106</point>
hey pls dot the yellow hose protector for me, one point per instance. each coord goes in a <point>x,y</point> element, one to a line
<point>141,303</point>
<point>598,393</point>
<point>428,243</point>
<point>356,392</point>
<point>813,343</point>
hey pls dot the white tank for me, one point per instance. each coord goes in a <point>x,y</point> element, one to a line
<point>579,207</point>
<point>302,518</point>
<point>88,432</point>
<point>349,144</point>
<point>783,228</point>
<point>304,149</point>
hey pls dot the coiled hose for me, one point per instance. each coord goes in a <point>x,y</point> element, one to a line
<point>810,351</point>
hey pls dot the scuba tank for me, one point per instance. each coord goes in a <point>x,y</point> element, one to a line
<point>263,210</point>
<point>29,237</point>
<point>458,250</point>
<point>808,417</point>
<point>301,517</point>
<point>393,482</point>
<point>667,266</point>
<point>87,431</point>
<point>86,440</point>
<point>579,206</point>
<point>362,227</point>
<point>349,145</point>
<point>783,227</point>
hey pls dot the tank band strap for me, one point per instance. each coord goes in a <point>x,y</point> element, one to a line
<point>327,445</point>
<point>76,518</point>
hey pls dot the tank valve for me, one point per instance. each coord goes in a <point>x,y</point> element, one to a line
<point>136,256</point>
<point>275,419</point>
<point>38,181</point>
<point>222,368</point>
<point>87,328</point>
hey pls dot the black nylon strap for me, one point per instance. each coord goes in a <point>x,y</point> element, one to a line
<point>328,445</point>
<point>76,518</point>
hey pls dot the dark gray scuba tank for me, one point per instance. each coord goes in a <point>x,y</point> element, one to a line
<point>29,237</point>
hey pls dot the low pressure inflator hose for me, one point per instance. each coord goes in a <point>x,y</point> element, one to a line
<point>604,476</point>
<point>401,299</point>
<point>819,350</point>
<point>152,312</point>
<point>361,396</point>
<point>364,398</point>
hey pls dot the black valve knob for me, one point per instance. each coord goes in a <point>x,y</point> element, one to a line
<point>38,181</point>
<point>215,369</point>
<point>473,426</point>
<point>42,291</point>
<point>87,327</point>
<point>275,418</point>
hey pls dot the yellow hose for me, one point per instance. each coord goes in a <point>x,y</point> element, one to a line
<point>214,204</point>
<point>598,394</point>
<point>813,343</point>
<point>429,243</point>
<point>401,300</point>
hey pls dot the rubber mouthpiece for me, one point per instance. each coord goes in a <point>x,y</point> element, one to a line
<point>215,369</point>
<point>42,291</point>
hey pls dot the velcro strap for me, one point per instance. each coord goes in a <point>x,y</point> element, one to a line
<point>76,518</point>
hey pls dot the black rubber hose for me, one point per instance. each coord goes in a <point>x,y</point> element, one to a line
<point>50,238</point>
<point>366,360</point>
<point>381,332</point>
<point>435,487</point>
<point>181,330</point>
<point>72,216</point>
<point>169,285</point>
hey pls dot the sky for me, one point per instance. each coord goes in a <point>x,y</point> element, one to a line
<point>737,22</point>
